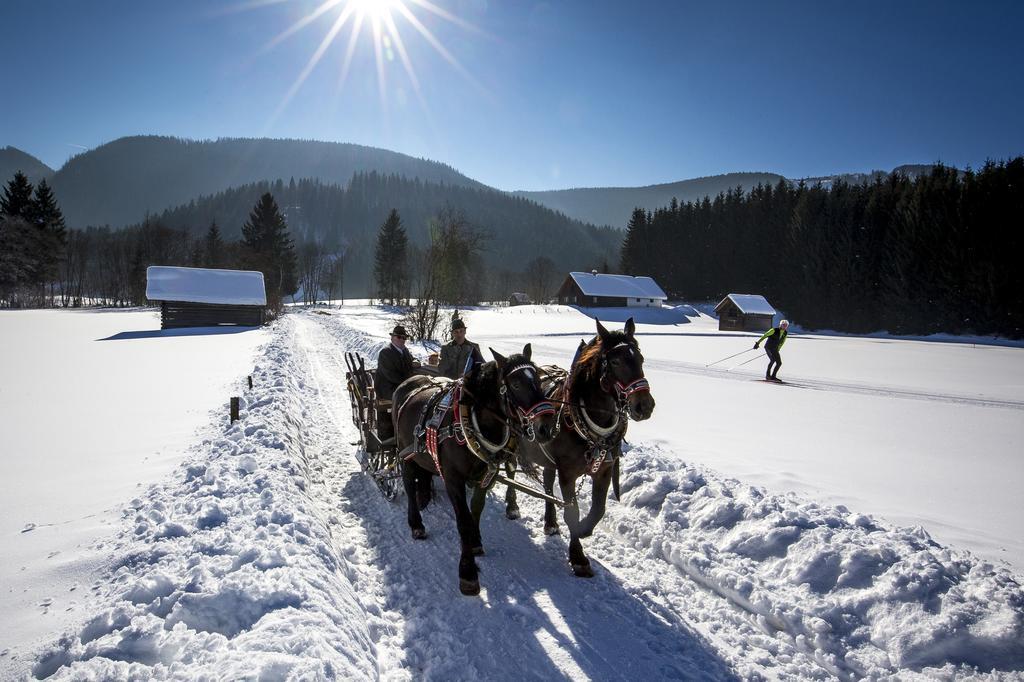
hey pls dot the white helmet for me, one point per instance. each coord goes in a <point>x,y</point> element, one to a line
<point>784,323</point>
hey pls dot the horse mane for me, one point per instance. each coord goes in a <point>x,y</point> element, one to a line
<point>588,364</point>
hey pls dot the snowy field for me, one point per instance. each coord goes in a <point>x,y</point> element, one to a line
<point>861,522</point>
<point>93,405</point>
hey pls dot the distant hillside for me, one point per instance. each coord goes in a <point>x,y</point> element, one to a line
<point>911,170</point>
<point>13,160</point>
<point>120,182</point>
<point>613,205</point>
<point>349,217</point>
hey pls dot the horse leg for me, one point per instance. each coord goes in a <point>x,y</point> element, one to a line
<point>469,534</point>
<point>550,513</point>
<point>598,502</point>
<point>577,559</point>
<point>423,490</point>
<point>511,505</point>
<point>409,475</point>
<point>476,506</point>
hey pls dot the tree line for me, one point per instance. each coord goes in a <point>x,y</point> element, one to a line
<point>347,219</point>
<point>43,264</point>
<point>936,253</point>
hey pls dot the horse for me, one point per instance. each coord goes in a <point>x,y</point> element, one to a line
<point>603,389</point>
<point>474,433</point>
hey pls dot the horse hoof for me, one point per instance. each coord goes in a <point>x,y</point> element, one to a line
<point>478,551</point>
<point>551,530</point>
<point>419,534</point>
<point>582,570</point>
<point>512,513</point>
<point>470,588</point>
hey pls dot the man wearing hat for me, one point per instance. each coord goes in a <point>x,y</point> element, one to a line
<point>394,365</point>
<point>460,355</point>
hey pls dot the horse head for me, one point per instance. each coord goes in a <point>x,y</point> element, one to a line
<point>525,401</point>
<point>622,370</point>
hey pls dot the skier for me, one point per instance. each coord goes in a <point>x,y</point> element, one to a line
<point>776,337</point>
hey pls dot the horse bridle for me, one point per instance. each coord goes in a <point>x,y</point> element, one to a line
<point>622,391</point>
<point>529,415</point>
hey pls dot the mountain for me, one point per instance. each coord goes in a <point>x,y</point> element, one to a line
<point>13,160</point>
<point>613,205</point>
<point>120,182</point>
<point>348,217</point>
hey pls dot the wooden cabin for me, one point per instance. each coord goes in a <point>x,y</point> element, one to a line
<point>519,298</point>
<point>594,290</point>
<point>204,297</point>
<point>745,312</point>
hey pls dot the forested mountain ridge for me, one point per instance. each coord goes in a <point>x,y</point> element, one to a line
<point>120,182</point>
<point>347,219</point>
<point>614,205</point>
<point>13,160</point>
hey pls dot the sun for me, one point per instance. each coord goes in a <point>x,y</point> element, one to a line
<point>380,20</point>
<point>375,10</point>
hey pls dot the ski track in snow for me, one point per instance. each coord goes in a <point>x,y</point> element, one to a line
<point>682,367</point>
<point>270,554</point>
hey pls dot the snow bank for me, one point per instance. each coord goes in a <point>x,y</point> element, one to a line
<point>227,568</point>
<point>868,600</point>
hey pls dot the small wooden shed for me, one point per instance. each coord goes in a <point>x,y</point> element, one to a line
<point>204,297</point>
<point>744,312</point>
<point>595,290</point>
<point>518,298</point>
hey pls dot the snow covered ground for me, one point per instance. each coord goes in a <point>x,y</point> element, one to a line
<point>809,531</point>
<point>93,405</point>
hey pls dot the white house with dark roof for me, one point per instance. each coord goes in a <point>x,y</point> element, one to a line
<point>596,290</point>
<point>205,297</point>
<point>745,312</point>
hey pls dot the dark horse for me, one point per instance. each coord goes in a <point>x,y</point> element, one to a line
<point>603,389</point>
<point>492,407</point>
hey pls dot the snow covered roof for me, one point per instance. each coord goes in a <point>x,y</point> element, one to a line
<point>749,304</point>
<point>597,284</point>
<point>205,285</point>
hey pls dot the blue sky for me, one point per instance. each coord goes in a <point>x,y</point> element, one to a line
<point>546,94</point>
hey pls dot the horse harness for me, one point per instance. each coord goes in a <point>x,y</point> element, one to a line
<point>601,441</point>
<point>445,416</point>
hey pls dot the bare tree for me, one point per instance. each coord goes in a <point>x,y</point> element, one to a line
<point>541,279</point>
<point>312,269</point>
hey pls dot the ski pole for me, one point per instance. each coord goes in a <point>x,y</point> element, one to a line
<point>750,360</point>
<point>729,358</point>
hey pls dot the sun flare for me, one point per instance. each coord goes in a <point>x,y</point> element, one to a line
<point>380,21</point>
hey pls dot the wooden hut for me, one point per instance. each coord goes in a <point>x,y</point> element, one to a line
<point>594,290</point>
<point>203,297</point>
<point>519,298</point>
<point>744,312</point>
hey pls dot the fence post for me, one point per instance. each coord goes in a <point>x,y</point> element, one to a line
<point>234,409</point>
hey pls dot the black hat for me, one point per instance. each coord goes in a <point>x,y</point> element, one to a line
<point>399,330</point>
<point>457,323</point>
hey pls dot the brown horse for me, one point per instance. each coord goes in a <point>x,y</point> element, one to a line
<point>497,404</point>
<point>604,388</point>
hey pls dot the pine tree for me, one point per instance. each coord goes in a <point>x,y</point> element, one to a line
<point>270,249</point>
<point>390,265</point>
<point>213,247</point>
<point>17,199</point>
<point>52,234</point>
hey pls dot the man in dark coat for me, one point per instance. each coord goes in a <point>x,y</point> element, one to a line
<point>776,337</point>
<point>460,355</point>
<point>394,365</point>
